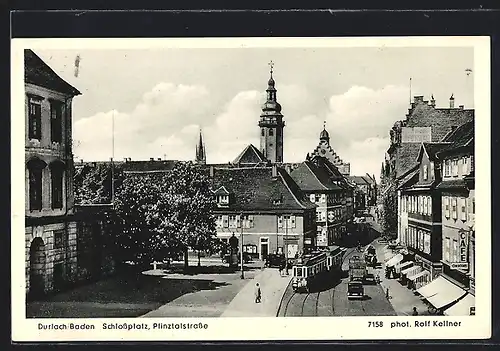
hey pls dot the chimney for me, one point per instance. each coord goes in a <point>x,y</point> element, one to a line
<point>125,159</point>
<point>130,159</point>
<point>461,107</point>
<point>151,159</point>
<point>159,158</point>
<point>274,171</point>
<point>211,171</point>
<point>433,102</point>
<point>81,161</point>
<point>418,99</point>
<point>452,101</point>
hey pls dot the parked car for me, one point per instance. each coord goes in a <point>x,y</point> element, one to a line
<point>246,258</point>
<point>275,260</point>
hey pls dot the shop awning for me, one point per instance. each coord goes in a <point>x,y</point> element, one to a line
<point>403,265</point>
<point>395,260</point>
<point>462,307</point>
<point>411,271</point>
<point>388,255</point>
<point>441,292</point>
<point>418,275</point>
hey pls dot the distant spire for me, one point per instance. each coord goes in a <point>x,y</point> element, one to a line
<point>200,151</point>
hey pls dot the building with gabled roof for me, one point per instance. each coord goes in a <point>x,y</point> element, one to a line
<point>327,191</point>
<point>267,206</point>
<point>324,149</point>
<point>250,156</point>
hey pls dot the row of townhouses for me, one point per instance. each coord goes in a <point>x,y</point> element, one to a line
<point>432,162</point>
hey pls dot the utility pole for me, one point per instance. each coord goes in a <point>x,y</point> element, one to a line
<point>241,251</point>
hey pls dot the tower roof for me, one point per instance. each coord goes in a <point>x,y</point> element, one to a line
<point>250,155</point>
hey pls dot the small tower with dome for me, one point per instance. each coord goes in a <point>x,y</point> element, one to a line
<point>324,149</point>
<point>271,124</point>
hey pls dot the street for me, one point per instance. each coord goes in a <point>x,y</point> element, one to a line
<point>332,301</point>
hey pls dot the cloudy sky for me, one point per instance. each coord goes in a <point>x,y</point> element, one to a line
<point>161,98</point>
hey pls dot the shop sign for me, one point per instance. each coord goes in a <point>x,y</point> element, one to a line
<point>463,246</point>
<point>459,265</point>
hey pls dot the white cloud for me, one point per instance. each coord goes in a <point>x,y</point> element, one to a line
<point>168,118</point>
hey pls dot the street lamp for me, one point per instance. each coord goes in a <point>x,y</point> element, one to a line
<point>241,251</point>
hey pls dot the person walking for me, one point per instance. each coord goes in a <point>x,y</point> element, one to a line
<point>280,268</point>
<point>257,293</point>
<point>414,313</point>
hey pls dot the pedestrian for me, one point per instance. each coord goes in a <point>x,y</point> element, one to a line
<point>387,293</point>
<point>280,268</point>
<point>415,313</point>
<point>257,293</point>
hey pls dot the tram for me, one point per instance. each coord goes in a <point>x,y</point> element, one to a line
<point>312,269</point>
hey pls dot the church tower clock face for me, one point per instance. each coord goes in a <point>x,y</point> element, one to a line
<point>323,151</point>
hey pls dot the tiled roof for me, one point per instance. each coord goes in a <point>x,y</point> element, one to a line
<point>39,73</point>
<point>452,184</point>
<point>255,189</point>
<point>460,137</point>
<point>359,180</point>
<point>309,177</point>
<point>148,166</point>
<point>221,191</point>
<point>410,179</point>
<point>432,149</point>
<point>406,157</point>
<point>250,155</point>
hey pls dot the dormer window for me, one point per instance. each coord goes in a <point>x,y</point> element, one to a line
<point>223,199</point>
<point>426,173</point>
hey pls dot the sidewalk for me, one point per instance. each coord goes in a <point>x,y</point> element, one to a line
<point>272,287</point>
<point>401,298</point>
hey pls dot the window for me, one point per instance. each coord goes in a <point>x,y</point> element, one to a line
<point>312,198</point>
<point>463,212</point>
<point>219,221</point>
<point>223,199</point>
<point>263,133</point>
<point>473,205</point>
<point>427,243</point>
<point>455,251</point>
<point>56,121</point>
<point>35,188</point>
<point>446,249</point>
<point>431,175</point>
<point>271,132</point>
<point>455,168</point>
<point>425,204</point>
<point>225,220</point>
<point>233,221</point>
<point>317,198</point>
<point>420,204</point>
<point>323,198</point>
<point>447,168</point>
<point>35,118</point>
<point>429,205</point>
<point>57,175</point>
<point>447,207</point>
<point>471,163</point>
<point>58,239</point>
<point>426,175</point>
<point>247,221</point>
<point>465,168</point>
<point>454,208</point>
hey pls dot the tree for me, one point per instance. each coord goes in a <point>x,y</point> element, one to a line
<point>159,215</point>
<point>93,183</point>
<point>389,215</point>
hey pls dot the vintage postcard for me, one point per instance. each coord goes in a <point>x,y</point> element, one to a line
<point>214,189</point>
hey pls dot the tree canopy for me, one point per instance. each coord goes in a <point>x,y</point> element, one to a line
<point>156,215</point>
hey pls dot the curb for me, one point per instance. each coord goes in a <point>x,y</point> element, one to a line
<point>282,296</point>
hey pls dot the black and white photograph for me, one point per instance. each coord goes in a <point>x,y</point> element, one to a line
<point>192,183</point>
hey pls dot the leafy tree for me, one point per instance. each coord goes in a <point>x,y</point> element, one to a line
<point>93,183</point>
<point>159,215</point>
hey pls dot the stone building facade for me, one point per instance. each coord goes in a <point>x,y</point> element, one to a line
<point>51,219</point>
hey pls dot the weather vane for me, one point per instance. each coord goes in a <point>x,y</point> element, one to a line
<point>271,65</point>
<point>324,125</point>
<point>468,71</point>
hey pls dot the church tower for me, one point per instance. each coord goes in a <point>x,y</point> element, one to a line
<point>271,124</point>
<point>201,157</point>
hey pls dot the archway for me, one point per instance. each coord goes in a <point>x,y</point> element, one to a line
<point>37,268</point>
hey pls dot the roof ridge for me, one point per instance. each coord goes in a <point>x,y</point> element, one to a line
<point>312,172</point>
<point>290,190</point>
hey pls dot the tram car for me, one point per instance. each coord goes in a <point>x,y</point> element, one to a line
<point>309,270</point>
